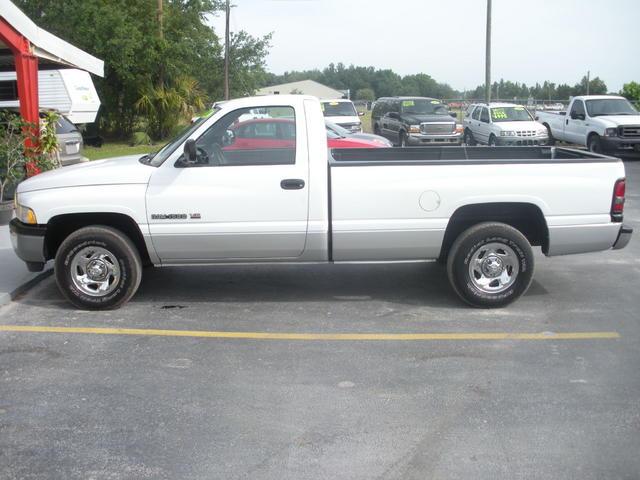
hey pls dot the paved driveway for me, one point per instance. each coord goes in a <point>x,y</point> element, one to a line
<point>329,372</point>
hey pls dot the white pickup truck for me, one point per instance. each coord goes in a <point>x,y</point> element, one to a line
<point>233,191</point>
<point>602,123</point>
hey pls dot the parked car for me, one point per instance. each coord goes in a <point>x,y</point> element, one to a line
<point>70,143</point>
<point>343,112</point>
<point>411,121</point>
<point>335,132</point>
<point>260,132</point>
<point>602,123</point>
<point>194,202</point>
<point>502,124</point>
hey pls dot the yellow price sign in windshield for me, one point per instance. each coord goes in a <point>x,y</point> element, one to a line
<point>498,113</point>
<point>408,103</point>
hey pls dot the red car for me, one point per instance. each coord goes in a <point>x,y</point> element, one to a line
<point>262,133</point>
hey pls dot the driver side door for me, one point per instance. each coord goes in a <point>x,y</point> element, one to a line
<point>238,201</point>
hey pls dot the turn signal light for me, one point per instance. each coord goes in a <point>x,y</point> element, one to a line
<point>617,204</point>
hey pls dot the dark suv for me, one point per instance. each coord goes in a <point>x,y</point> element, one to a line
<point>415,121</point>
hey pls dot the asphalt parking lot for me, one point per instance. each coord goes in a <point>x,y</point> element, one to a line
<point>341,372</point>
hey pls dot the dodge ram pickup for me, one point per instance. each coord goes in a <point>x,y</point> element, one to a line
<point>602,123</point>
<point>206,198</point>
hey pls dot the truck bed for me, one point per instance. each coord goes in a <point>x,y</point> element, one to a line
<point>463,156</point>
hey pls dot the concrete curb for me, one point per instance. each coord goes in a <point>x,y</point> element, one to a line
<point>28,282</point>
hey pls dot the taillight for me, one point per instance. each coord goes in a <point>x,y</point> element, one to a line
<point>617,204</point>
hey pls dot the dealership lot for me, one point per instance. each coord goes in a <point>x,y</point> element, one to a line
<point>346,371</point>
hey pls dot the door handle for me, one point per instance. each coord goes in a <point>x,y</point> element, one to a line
<point>292,184</point>
<point>566,122</point>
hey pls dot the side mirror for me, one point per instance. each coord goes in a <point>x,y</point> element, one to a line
<point>394,115</point>
<point>453,114</point>
<point>577,116</point>
<point>190,151</point>
<point>228,138</point>
<point>361,114</point>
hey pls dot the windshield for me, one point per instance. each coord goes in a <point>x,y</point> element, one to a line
<point>158,158</point>
<point>423,106</point>
<point>339,109</point>
<point>510,114</point>
<point>337,130</point>
<point>610,106</point>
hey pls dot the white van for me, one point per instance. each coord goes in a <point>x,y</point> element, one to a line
<point>68,91</point>
<point>343,113</point>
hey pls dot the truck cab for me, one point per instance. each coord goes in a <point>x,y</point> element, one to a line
<point>602,123</point>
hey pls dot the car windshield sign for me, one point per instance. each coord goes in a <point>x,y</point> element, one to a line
<point>422,106</point>
<point>610,106</point>
<point>510,114</point>
<point>338,109</point>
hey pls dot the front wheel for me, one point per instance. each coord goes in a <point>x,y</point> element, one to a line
<point>492,140</point>
<point>98,268</point>
<point>490,265</point>
<point>403,140</point>
<point>594,144</point>
<point>468,138</point>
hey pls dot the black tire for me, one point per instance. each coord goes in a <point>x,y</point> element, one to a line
<point>402,139</point>
<point>551,141</point>
<point>594,144</point>
<point>376,129</point>
<point>120,269</point>
<point>467,250</point>
<point>492,140</point>
<point>469,139</point>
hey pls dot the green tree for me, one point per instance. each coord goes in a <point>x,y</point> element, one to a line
<point>365,94</point>
<point>631,91</point>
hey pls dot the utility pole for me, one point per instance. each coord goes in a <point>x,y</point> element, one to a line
<point>588,81</point>
<point>226,52</point>
<point>160,18</point>
<point>487,68</point>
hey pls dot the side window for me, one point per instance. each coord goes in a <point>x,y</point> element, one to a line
<point>484,116</point>
<point>476,113</point>
<point>469,111</point>
<point>265,136</point>
<point>577,108</point>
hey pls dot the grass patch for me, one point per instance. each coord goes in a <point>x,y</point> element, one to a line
<point>115,149</point>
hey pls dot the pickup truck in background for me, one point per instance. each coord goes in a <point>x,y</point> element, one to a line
<point>203,199</point>
<point>602,123</point>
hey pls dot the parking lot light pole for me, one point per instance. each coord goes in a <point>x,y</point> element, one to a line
<point>226,52</point>
<point>487,68</point>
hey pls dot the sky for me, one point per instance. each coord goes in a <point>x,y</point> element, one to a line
<point>533,41</point>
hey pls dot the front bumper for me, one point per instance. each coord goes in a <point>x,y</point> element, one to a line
<point>28,243</point>
<point>623,237</point>
<point>613,144</point>
<point>521,141</point>
<point>415,139</point>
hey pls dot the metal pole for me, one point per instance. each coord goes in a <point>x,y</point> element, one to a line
<point>588,77</point>
<point>226,52</point>
<point>487,79</point>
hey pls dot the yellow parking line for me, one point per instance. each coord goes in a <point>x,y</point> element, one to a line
<point>315,336</point>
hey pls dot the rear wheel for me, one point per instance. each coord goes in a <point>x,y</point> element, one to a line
<point>490,265</point>
<point>98,268</point>
<point>468,138</point>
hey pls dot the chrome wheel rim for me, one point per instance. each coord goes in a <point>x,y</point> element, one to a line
<point>95,271</point>
<point>493,267</point>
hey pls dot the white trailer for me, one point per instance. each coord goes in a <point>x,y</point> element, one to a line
<point>68,91</point>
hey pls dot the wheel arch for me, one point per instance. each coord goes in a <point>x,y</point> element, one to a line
<point>61,226</point>
<point>525,217</point>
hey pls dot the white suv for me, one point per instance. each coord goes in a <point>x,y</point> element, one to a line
<point>342,112</point>
<point>502,124</point>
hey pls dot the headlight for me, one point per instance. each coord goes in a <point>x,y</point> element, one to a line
<point>459,128</point>
<point>543,133</point>
<point>25,214</point>
<point>414,129</point>
<point>611,132</point>
<point>507,133</point>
